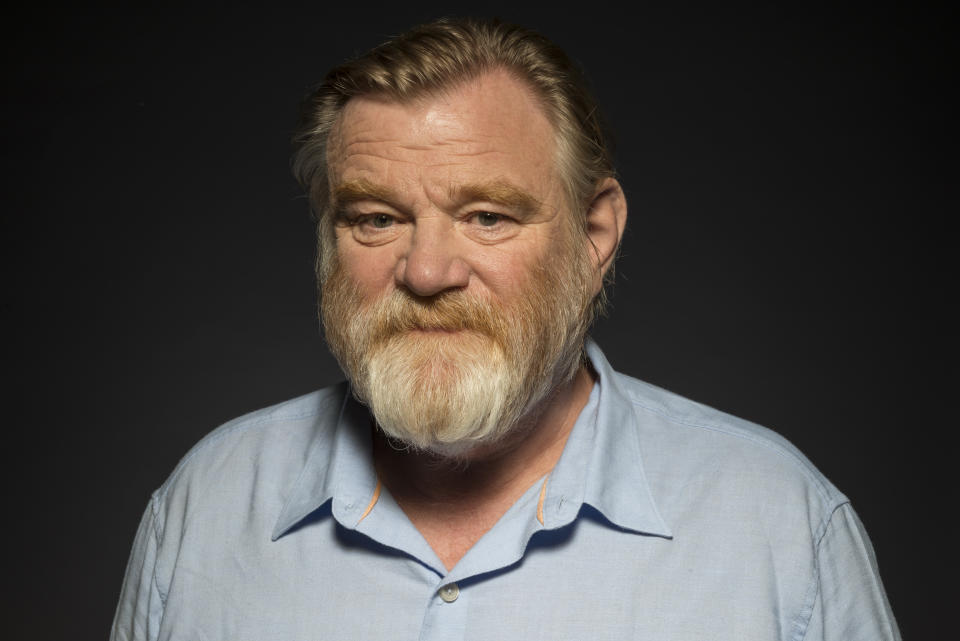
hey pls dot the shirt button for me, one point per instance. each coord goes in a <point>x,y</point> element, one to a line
<point>449,592</point>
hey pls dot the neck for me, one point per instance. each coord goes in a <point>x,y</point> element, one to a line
<point>461,499</point>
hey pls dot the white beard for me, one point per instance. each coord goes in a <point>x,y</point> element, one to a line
<point>449,373</point>
<point>442,392</point>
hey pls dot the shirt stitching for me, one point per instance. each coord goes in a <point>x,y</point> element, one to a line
<point>154,509</point>
<point>802,621</point>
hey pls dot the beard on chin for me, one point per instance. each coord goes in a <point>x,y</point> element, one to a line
<point>451,372</point>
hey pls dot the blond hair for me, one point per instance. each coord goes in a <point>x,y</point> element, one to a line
<point>437,56</point>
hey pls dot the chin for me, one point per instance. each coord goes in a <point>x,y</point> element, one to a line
<point>443,392</point>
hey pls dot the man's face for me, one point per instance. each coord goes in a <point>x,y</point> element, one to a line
<point>458,292</point>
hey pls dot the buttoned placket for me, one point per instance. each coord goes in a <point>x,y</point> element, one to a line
<point>448,593</point>
<point>361,504</point>
<point>446,614</point>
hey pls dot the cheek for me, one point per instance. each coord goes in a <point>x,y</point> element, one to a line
<point>505,272</point>
<point>371,268</point>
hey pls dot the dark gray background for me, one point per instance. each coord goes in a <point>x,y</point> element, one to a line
<point>786,175</point>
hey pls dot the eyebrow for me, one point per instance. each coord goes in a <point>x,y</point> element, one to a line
<point>498,192</point>
<point>361,189</point>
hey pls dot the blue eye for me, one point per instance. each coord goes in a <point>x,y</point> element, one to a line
<point>487,219</point>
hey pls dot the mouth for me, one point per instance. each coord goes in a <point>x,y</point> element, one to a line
<point>440,331</point>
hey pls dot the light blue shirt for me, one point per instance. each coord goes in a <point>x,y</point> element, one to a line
<point>663,520</point>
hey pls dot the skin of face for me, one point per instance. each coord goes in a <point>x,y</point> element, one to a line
<point>455,190</point>
<point>459,191</point>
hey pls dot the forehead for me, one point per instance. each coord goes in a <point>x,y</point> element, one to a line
<point>492,126</point>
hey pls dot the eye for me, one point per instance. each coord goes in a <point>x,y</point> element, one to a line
<point>487,219</point>
<point>381,221</point>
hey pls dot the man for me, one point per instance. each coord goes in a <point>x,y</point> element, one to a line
<point>485,474</point>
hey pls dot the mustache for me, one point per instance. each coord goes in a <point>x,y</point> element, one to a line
<point>401,311</point>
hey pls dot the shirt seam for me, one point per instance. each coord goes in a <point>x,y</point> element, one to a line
<point>777,449</point>
<point>154,508</point>
<point>802,620</point>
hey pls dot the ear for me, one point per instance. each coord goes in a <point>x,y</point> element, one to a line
<point>606,220</point>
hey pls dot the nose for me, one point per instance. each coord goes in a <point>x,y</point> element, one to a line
<point>432,263</point>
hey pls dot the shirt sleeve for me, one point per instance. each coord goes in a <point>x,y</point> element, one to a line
<point>141,602</point>
<point>850,604</point>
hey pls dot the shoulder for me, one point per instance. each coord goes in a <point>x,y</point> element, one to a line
<point>257,454</point>
<point>266,433</point>
<point>694,452</point>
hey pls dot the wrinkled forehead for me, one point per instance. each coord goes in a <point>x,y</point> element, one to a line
<point>492,113</point>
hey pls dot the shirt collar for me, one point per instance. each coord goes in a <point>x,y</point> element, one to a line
<point>339,467</point>
<point>601,466</point>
